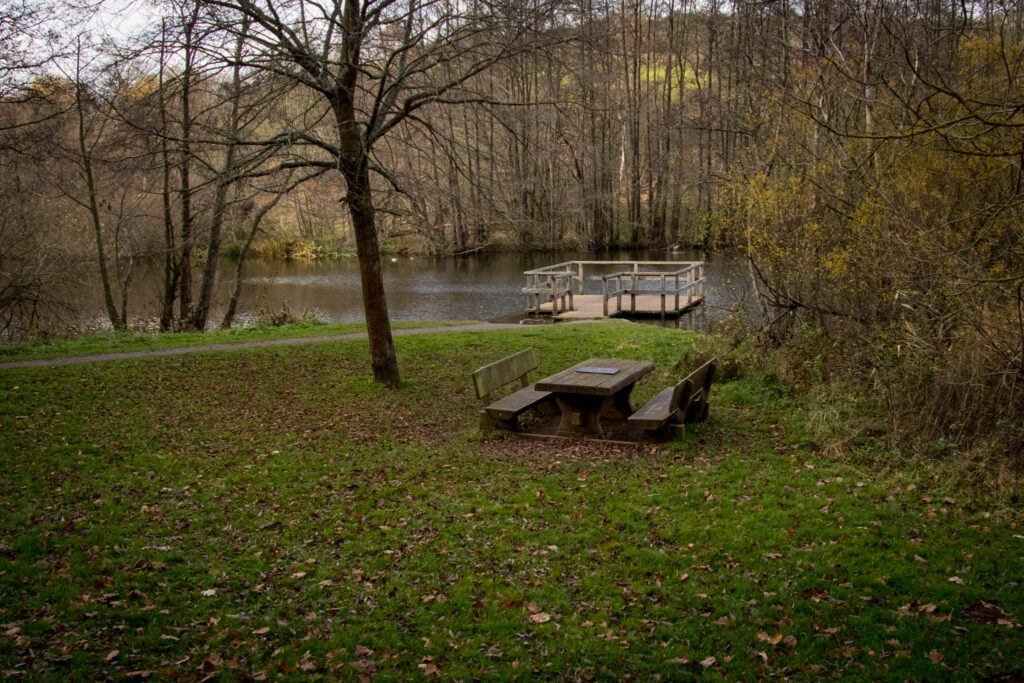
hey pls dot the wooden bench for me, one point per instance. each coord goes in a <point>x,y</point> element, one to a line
<point>504,413</point>
<point>675,406</point>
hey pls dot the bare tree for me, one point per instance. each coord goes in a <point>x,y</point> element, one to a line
<point>374,64</point>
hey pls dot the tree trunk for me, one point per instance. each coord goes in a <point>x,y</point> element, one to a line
<point>108,299</point>
<point>185,169</point>
<point>170,266</point>
<point>354,165</point>
<point>201,312</point>
<point>378,325</point>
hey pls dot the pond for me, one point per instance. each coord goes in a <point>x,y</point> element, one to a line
<point>482,286</point>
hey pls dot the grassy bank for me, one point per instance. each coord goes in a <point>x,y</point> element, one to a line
<point>115,342</point>
<point>272,513</point>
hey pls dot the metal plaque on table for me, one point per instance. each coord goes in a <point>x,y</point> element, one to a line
<point>598,371</point>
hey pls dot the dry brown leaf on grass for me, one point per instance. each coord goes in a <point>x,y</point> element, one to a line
<point>540,618</point>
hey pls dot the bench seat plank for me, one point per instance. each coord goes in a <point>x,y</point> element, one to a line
<point>655,412</point>
<point>512,405</point>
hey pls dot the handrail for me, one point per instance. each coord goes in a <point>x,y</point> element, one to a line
<point>635,286</point>
<point>549,281</point>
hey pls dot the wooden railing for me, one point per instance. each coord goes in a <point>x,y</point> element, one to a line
<point>685,280</point>
<point>555,282</point>
<point>551,285</point>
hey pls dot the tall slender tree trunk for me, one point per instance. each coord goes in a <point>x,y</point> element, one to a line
<point>116,321</point>
<point>201,312</point>
<point>170,249</point>
<point>185,170</point>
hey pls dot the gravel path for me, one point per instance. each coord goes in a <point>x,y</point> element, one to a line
<point>71,360</point>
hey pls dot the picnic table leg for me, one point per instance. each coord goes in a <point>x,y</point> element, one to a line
<point>580,414</point>
<point>618,405</point>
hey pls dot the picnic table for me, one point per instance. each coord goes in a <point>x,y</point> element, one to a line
<point>594,389</point>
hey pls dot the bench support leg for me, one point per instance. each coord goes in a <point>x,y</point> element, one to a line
<point>488,423</point>
<point>666,433</point>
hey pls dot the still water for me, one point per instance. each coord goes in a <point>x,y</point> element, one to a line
<point>474,287</point>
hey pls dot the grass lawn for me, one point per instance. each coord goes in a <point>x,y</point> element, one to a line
<point>272,513</point>
<point>116,342</point>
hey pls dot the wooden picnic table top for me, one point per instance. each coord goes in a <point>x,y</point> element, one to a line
<point>595,383</point>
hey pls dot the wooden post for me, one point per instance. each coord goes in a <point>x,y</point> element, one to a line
<point>618,293</point>
<point>677,292</point>
<point>663,296</point>
<point>580,279</point>
<point>604,294</point>
<point>632,293</point>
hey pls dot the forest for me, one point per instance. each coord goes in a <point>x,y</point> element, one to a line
<point>865,156</point>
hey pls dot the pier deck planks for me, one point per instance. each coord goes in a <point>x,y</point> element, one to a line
<point>588,306</point>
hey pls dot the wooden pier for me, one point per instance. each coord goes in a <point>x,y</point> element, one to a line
<point>634,289</point>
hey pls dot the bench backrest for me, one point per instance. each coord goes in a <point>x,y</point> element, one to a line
<point>499,373</point>
<point>700,384</point>
<point>681,396</point>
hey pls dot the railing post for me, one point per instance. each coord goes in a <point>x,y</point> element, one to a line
<point>700,275</point>
<point>677,292</point>
<point>580,266</point>
<point>604,295</point>
<point>663,297</point>
<point>618,293</point>
<point>530,279</point>
<point>632,293</point>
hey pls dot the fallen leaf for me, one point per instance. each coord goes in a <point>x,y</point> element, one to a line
<point>762,655</point>
<point>428,669</point>
<point>298,575</point>
<point>771,640</point>
<point>679,660</point>
<point>708,661</point>
<point>956,579</point>
<point>789,641</point>
<point>987,613</point>
<point>540,618</point>
<point>111,655</point>
<point>210,592</point>
<point>262,631</point>
<point>935,656</point>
